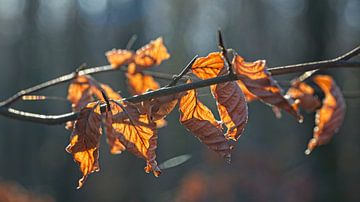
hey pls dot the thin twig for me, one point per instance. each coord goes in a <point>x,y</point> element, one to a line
<point>182,73</point>
<point>69,77</point>
<point>345,57</point>
<point>131,42</point>
<point>225,53</point>
<point>59,119</point>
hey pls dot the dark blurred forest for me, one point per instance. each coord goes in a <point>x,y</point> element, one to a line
<point>42,39</point>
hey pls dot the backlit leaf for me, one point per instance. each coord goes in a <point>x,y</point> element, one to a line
<point>151,54</point>
<point>138,135</point>
<point>139,83</point>
<point>232,107</point>
<point>306,96</point>
<point>85,141</point>
<point>259,82</point>
<point>209,66</point>
<point>330,116</point>
<point>200,121</point>
<point>117,58</point>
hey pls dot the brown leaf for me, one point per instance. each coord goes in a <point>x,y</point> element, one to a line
<point>162,106</point>
<point>147,56</point>
<point>139,83</point>
<point>116,147</point>
<point>117,58</point>
<point>79,93</point>
<point>232,107</point>
<point>138,134</point>
<point>151,54</point>
<point>330,116</point>
<point>83,90</point>
<point>85,141</point>
<point>260,83</point>
<point>248,95</point>
<point>209,66</point>
<point>305,94</point>
<point>200,121</point>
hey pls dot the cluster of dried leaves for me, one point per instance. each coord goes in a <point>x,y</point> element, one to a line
<point>133,127</point>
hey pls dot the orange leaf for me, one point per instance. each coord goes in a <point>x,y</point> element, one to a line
<point>116,147</point>
<point>232,107</point>
<point>79,93</point>
<point>139,83</point>
<point>151,54</point>
<point>117,58</point>
<point>199,120</point>
<point>209,66</point>
<point>305,94</point>
<point>330,116</point>
<point>85,141</point>
<point>139,136</point>
<point>162,106</point>
<point>259,82</point>
<point>83,89</point>
<point>248,95</point>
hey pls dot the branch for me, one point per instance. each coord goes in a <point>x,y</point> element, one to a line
<point>59,119</point>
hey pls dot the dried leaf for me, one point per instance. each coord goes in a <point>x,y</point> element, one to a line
<point>209,66</point>
<point>305,94</point>
<point>117,58</point>
<point>85,141</point>
<point>139,83</point>
<point>79,93</point>
<point>330,116</point>
<point>116,147</point>
<point>260,83</point>
<point>151,54</point>
<point>248,95</point>
<point>232,107</point>
<point>200,121</point>
<point>147,56</point>
<point>138,134</point>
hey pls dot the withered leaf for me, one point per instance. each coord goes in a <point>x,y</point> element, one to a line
<point>138,134</point>
<point>147,56</point>
<point>117,58</point>
<point>305,94</point>
<point>232,107</point>
<point>151,54</point>
<point>139,83</point>
<point>330,116</point>
<point>260,83</point>
<point>209,66</point>
<point>200,121</point>
<point>85,141</point>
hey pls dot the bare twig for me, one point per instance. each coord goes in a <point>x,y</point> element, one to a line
<point>59,119</point>
<point>225,53</point>
<point>347,56</point>
<point>182,73</point>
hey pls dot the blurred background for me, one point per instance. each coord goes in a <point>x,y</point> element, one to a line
<point>42,39</point>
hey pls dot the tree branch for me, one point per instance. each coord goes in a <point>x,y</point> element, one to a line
<point>338,62</point>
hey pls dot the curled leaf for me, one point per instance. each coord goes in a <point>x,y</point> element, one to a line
<point>151,54</point>
<point>138,134</point>
<point>306,96</point>
<point>209,66</point>
<point>200,121</point>
<point>260,83</point>
<point>139,83</point>
<point>232,107</point>
<point>79,93</point>
<point>248,95</point>
<point>330,116</point>
<point>85,141</point>
<point>117,58</point>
